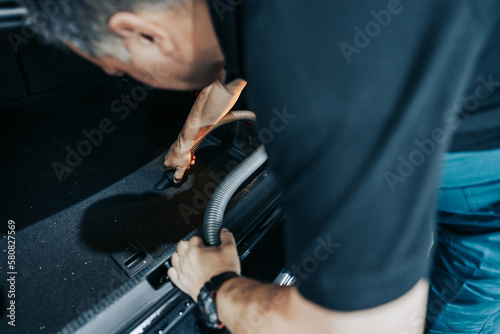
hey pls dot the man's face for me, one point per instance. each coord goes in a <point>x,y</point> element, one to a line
<point>171,49</point>
<point>158,71</point>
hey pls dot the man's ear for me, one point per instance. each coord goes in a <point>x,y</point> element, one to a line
<point>132,26</point>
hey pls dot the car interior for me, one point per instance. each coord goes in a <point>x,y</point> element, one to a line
<point>80,155</point>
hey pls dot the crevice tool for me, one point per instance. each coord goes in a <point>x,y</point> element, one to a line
<point>166,181</point>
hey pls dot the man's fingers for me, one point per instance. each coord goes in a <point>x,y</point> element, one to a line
<point>167,161</point>
<point>175,260</point>
<point>182,246</point>
<point>196,241</point>
<point>173,275</point>
<point>179,173</point>
<point>226,237</point>
<point>193,160</point>
<point>167,165</point>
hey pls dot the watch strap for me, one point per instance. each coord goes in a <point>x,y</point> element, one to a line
<point>206,299</point>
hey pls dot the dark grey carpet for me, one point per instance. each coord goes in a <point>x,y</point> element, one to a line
<point>63,261</point>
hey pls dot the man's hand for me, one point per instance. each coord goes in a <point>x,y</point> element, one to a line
<point>213,102</point>
<point>194,264</point>
<point>179,157</point>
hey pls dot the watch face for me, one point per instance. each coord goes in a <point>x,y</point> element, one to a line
<point>206,299</point>
<point>208,309</point>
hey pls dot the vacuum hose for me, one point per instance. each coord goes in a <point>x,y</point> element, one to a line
<point>214,214</point>
<point>212,223</point>
<point>168,177</point>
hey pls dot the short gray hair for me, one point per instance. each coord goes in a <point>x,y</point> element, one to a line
<point>84,23</point>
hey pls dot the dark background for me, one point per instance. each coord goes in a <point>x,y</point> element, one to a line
<point>47,98</point>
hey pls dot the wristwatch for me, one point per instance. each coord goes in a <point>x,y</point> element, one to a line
<point>206,299</point>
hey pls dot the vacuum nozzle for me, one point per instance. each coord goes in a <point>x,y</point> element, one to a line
<point>166,181</point>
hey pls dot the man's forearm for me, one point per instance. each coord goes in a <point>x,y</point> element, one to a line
<point>212,104</point>
<point>246,306</point>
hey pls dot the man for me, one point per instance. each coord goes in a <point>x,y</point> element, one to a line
<point>357,86</point>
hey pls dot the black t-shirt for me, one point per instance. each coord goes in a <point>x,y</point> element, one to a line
<point>354,101</point>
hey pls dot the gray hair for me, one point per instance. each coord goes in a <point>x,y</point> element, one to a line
<point>84,23</point>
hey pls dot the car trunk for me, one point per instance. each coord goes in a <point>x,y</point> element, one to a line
<point>80,153</point>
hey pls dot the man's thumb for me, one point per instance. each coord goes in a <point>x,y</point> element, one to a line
<point>226,237</point>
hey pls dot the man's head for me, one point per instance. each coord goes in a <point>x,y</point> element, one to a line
<point>165,43</point>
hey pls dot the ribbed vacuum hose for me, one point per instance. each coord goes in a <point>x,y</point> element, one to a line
<point>212,223</point>
<point>239,115</point>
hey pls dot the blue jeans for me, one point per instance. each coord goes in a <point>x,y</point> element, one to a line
<point>464,294</point>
